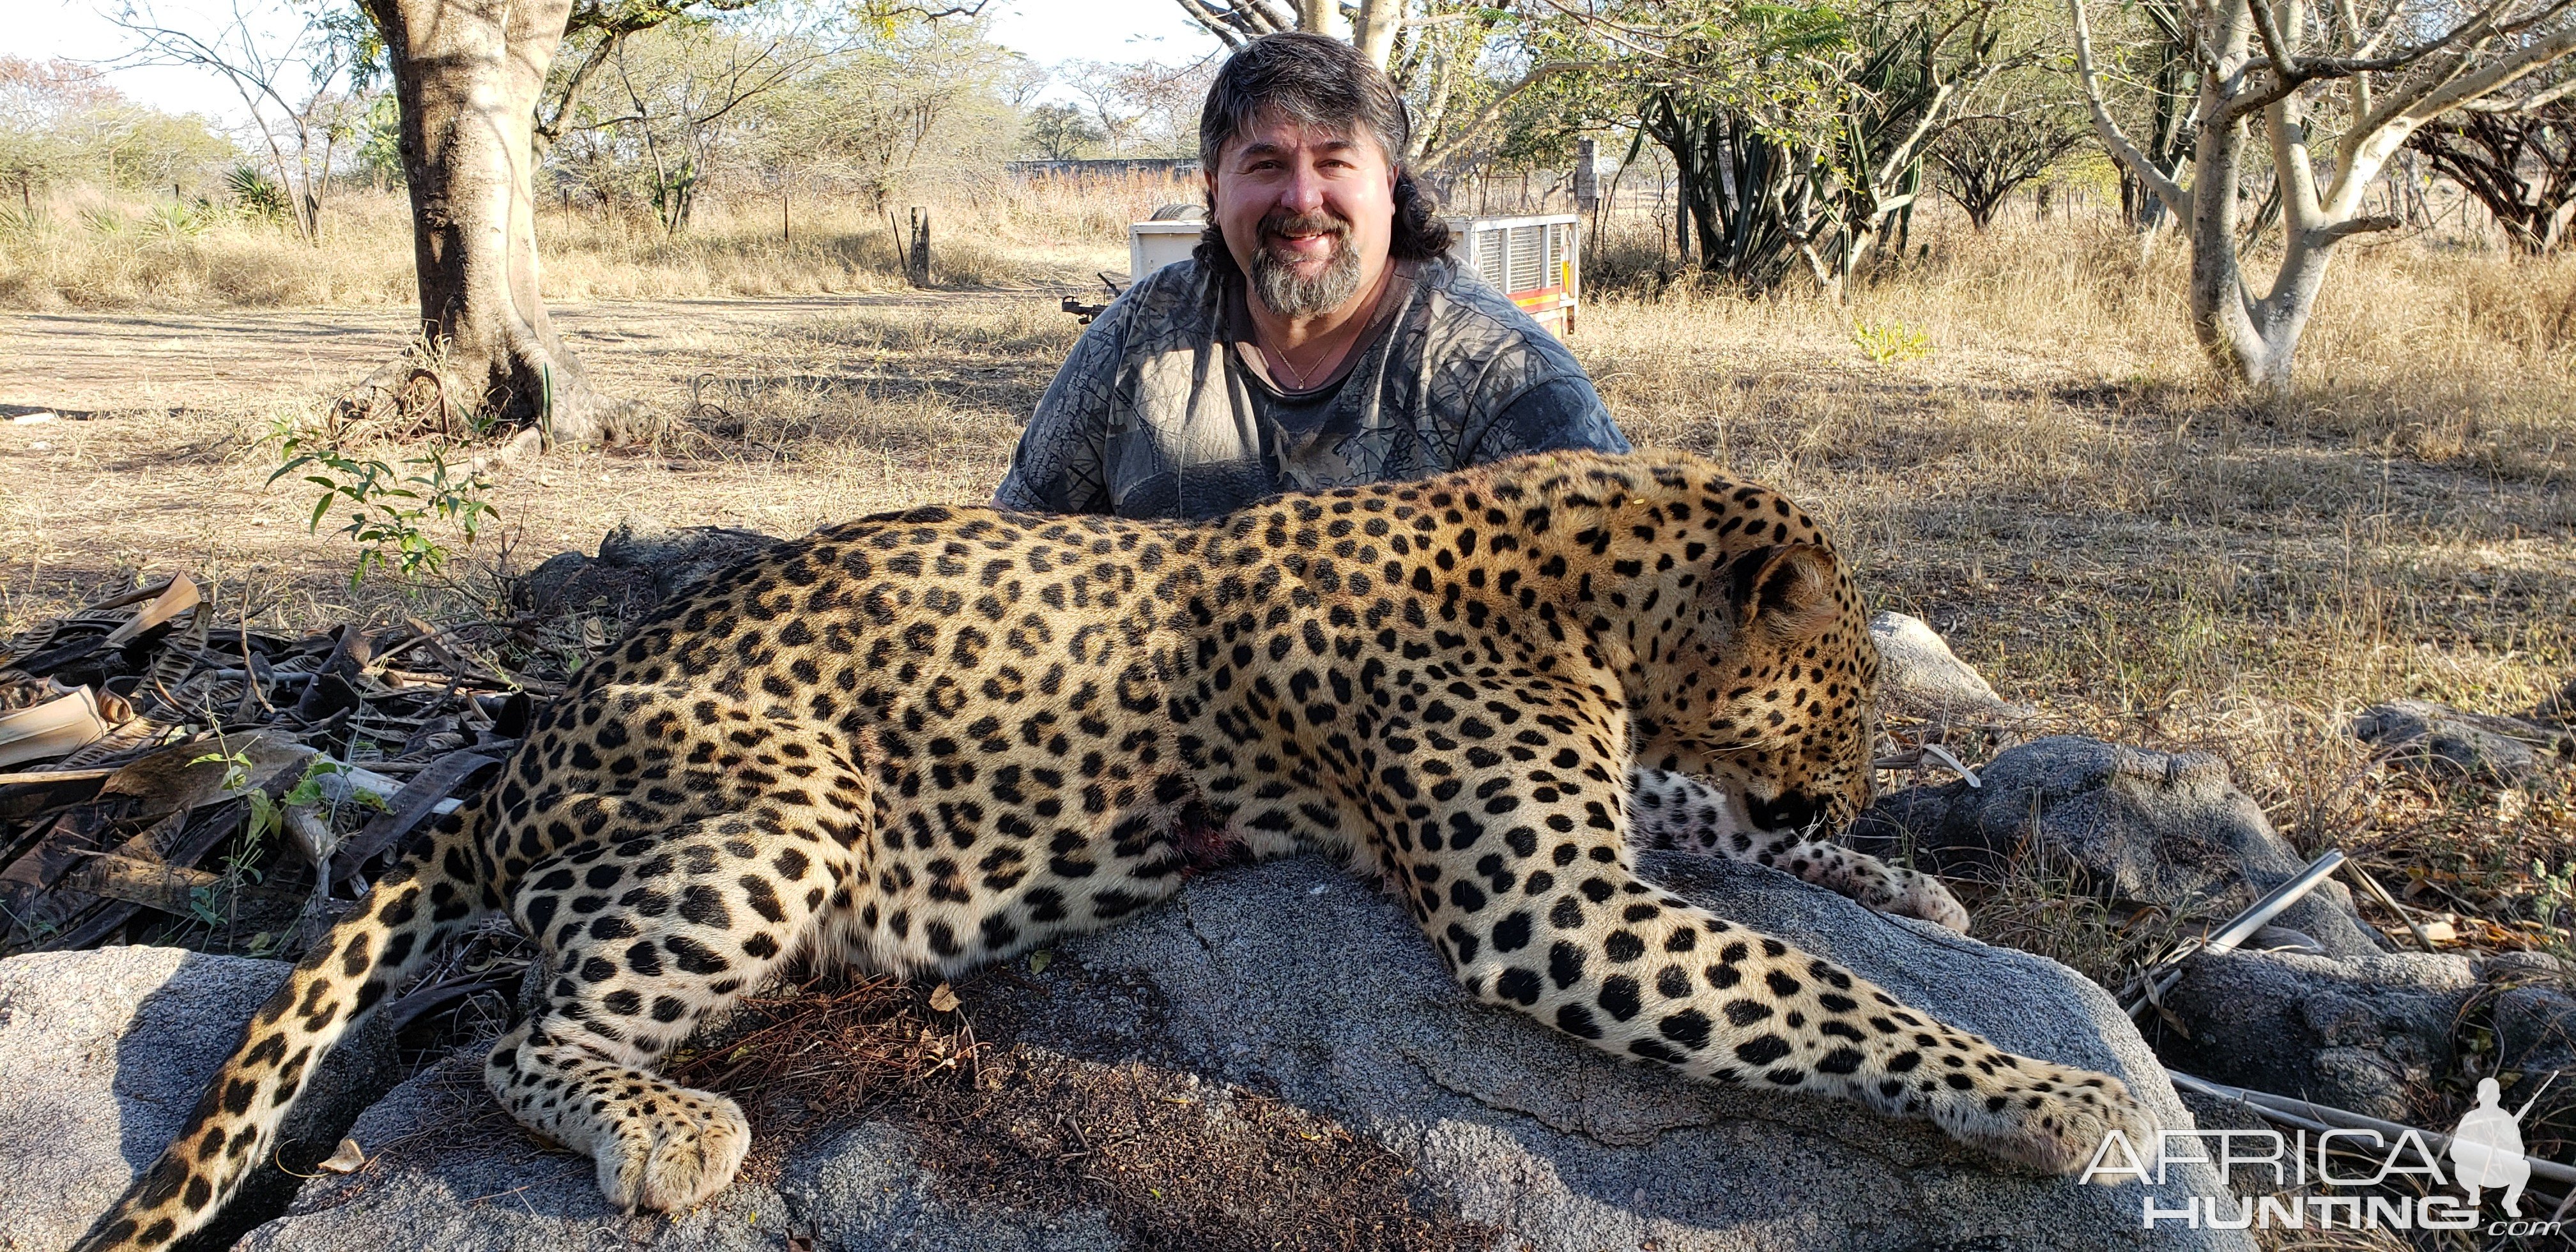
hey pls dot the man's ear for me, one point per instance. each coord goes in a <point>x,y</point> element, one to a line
<point>1787,591</point>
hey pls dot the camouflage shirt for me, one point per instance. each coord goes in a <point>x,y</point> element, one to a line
<point>1164,408</point>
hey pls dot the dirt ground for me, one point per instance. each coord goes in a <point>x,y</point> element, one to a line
<point>157,462</point>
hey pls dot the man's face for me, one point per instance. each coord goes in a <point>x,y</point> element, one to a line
<point>1306,212</point>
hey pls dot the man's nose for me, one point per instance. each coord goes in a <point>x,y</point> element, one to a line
<point>1304,192</point>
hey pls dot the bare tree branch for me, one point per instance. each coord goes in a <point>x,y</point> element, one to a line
<point>1239,22</point>
<point>2165,188</point>
<point>1494,108</point>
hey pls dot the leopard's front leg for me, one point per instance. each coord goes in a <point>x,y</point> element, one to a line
<point>1676,811</point>
<point>1524,881</point>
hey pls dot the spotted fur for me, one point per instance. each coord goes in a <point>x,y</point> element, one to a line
<point>928,740</point>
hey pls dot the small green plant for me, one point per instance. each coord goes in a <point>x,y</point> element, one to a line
<point>392,504</point>
<point>256,195</point>
<point>1890,342</point>
<point>177,221</point>
<point>208,904</point>
<point>212,904</point>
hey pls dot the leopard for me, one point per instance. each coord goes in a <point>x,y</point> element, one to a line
<point>928,740</point>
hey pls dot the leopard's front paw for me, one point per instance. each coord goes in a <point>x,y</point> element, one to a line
<point>1921,895</point>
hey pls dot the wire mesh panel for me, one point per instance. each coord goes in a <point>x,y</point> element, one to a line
<point>1529,258</point>
<point>1493,256</point>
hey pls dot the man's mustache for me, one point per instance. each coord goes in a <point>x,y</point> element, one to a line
<point>1317,222</point>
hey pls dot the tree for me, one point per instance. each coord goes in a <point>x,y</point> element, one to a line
<point>1114,114</point>
<point>2520,164</point>
<point>1799,134</point>
<point>292,69</point>
<point>1061,131</point>
<point>2358,81</point>
<point>467,76</point>
<point>2162,112</point>
<point>596,31</point>
<point>870,119</point>
<point>1145,108</point>
<point>1983,159</point>
<point>683,94</point>
<point>61,122</point>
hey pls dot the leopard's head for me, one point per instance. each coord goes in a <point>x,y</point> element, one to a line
<point>1769,691</point>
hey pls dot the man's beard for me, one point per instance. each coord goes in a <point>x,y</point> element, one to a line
<point>1284,291</point>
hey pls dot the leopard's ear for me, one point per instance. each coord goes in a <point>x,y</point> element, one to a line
<point>1786,591</point>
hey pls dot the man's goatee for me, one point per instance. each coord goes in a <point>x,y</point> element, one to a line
<point>1289,294</point>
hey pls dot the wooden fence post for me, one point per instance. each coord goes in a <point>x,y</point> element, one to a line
<point>917,262</point>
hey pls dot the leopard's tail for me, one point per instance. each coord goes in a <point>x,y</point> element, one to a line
<point>430,895</point>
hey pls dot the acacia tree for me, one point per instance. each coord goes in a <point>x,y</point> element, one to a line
<point>2357,79</point>
<point>2520,164</point>
<point>1984,159</point>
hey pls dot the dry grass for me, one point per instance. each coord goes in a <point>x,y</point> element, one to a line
<point>87,250</point>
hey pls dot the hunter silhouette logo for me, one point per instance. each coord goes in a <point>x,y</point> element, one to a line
<point>2340,1179</point>
<point>2487,1146</point>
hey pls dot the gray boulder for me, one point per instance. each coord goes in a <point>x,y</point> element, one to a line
<point>2362,1034</point>
<point>1919,676</point>
<point>2558,709</point>
<point>2167,829</point>
<point>2535,1034</point>
<point>1283,1030</point>
<point>678,556</point>
<point>2459,744</point>
<point>103,1055</point>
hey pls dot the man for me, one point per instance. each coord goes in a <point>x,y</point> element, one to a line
<point>1319,336</point>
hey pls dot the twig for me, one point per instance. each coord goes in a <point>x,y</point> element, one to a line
<point>2380,893</point>
<point>64,775</point>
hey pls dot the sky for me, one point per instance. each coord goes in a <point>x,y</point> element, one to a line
<point>1048,32</point>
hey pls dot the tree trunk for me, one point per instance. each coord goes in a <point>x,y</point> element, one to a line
<point>467,74</point>
<point>2254,340</point>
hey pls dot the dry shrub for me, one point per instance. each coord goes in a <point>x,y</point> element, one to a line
<point>87,252</point>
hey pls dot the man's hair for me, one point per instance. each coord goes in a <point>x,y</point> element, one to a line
<point>1318,81</point>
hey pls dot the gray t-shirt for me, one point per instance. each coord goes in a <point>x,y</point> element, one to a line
<point>1158,412</point>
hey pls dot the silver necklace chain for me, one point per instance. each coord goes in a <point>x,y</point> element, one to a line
<point>1297,375</point>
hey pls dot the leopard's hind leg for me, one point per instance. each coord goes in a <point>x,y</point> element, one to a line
<point>643,940</point>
